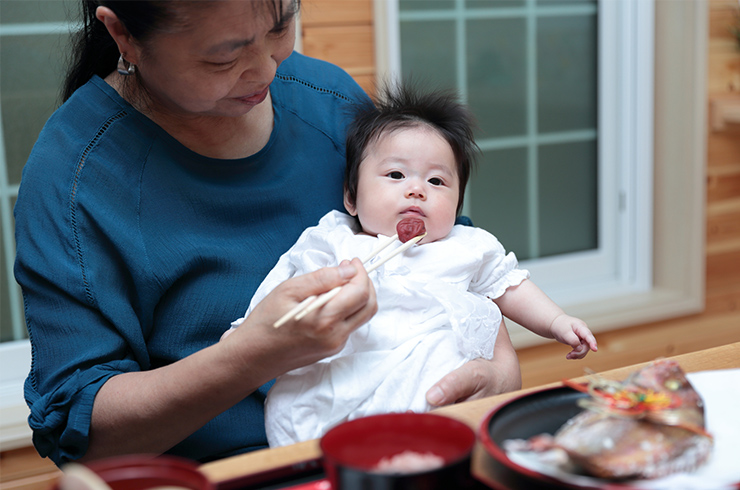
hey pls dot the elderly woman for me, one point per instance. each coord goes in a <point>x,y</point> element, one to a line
<point>192,149</point>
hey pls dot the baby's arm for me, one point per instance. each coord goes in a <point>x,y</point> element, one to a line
<point>530,307</point>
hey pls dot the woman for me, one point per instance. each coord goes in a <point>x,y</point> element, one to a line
<point>192,150</point>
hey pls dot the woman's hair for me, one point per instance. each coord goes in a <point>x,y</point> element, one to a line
<point>398,107</point>
<point>95,53</point>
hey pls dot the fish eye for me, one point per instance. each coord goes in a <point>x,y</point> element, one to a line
<point>672,384</point>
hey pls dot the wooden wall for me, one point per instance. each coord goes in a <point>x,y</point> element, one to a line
<point>341,31</point>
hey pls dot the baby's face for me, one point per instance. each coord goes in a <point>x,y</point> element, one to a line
<point>408,172</point>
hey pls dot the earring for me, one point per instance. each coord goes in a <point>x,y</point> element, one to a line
<point>125,70</point>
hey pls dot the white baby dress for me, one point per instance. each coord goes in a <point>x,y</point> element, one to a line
<point>434,314</point>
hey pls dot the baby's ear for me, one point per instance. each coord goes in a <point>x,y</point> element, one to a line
<point>349,205</point>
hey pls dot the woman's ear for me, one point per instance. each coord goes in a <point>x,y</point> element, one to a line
<point>119,33</point>
<point>349,205</point>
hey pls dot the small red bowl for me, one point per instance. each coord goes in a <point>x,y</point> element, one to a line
<point>353,450</point>
<point>138,472</point>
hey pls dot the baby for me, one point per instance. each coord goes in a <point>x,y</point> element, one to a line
<point>440,303</point>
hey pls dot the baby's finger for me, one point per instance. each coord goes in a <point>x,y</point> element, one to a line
<point>578,352</point>
<point>586,336</point>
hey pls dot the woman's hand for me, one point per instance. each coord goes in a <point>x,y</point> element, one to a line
<point>322,332</point>
<point>480,378</point>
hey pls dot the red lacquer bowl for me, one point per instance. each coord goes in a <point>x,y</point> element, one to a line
<point>352,451</point>
<point>139,472</point>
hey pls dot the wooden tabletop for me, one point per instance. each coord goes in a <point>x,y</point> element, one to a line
<point>472,413</point>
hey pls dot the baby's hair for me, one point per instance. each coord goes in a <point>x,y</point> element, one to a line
<point>399,107</point>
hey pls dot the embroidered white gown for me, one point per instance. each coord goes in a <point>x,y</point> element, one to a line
<point>434,314</point>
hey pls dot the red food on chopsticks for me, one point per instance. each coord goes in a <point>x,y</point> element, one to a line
<point>409,228</point>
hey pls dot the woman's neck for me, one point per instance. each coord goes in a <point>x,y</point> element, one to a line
<point>225,138</point>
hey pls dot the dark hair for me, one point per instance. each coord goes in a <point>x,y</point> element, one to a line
<point>95,53</point>
<point>403,107</point>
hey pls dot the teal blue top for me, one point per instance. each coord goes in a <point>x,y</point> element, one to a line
<point>134,252</point>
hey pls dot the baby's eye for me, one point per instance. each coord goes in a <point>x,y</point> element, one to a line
<point>395,175</point>
<point>436,181</point>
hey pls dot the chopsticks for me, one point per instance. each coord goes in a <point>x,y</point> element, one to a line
<point>315,302</point>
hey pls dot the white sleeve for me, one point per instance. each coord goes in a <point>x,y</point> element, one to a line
<point>498,270</point>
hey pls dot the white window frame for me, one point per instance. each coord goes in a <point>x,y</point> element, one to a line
<point>657,246</point>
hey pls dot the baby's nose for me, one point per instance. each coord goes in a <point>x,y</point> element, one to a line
<point>415,192</point>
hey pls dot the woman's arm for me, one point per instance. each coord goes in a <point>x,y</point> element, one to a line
<point>480,378</point>
<point>151,411</point>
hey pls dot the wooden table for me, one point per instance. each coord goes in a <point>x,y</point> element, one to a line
<point>472,413</point>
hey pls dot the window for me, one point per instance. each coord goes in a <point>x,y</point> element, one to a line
<point>31,69</point>
<point>563,93</point>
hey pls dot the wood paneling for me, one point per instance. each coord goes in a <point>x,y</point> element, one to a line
<point>336,12</point>
<point>350,47</point>
<point>341,32</point>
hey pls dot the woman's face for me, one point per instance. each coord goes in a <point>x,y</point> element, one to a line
<point>407,173</point>
<point>222,63</point>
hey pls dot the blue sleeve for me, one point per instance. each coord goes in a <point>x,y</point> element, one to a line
<point>78,294</point>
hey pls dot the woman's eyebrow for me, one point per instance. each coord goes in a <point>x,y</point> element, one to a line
<point>229,46</point>
<point>233,45</point>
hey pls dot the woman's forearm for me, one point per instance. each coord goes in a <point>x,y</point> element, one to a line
<point>151,411</point>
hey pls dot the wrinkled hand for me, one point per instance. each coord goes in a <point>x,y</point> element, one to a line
<point>322,332</point>
<point>574,332</point>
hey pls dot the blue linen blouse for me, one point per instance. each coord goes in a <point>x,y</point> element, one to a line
<point>134,252</point>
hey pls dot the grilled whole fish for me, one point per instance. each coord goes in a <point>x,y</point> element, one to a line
<point>648,426</point>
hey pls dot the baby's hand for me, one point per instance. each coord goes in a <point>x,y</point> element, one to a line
<point>574,332</point>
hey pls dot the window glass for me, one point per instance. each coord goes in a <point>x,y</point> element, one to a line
<point>428,52</point>
<point>33,47</point>
<point>566,188</point>
<point>566,73</point>
<point>551,3</point>
<point>422,5</point>
<point>34,11</point>
<point>30,76</point>
<point>496,65</point>
<point>479,4</point>
<point>499,200</point>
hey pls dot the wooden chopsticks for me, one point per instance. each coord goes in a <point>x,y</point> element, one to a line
<point>314,302</point>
